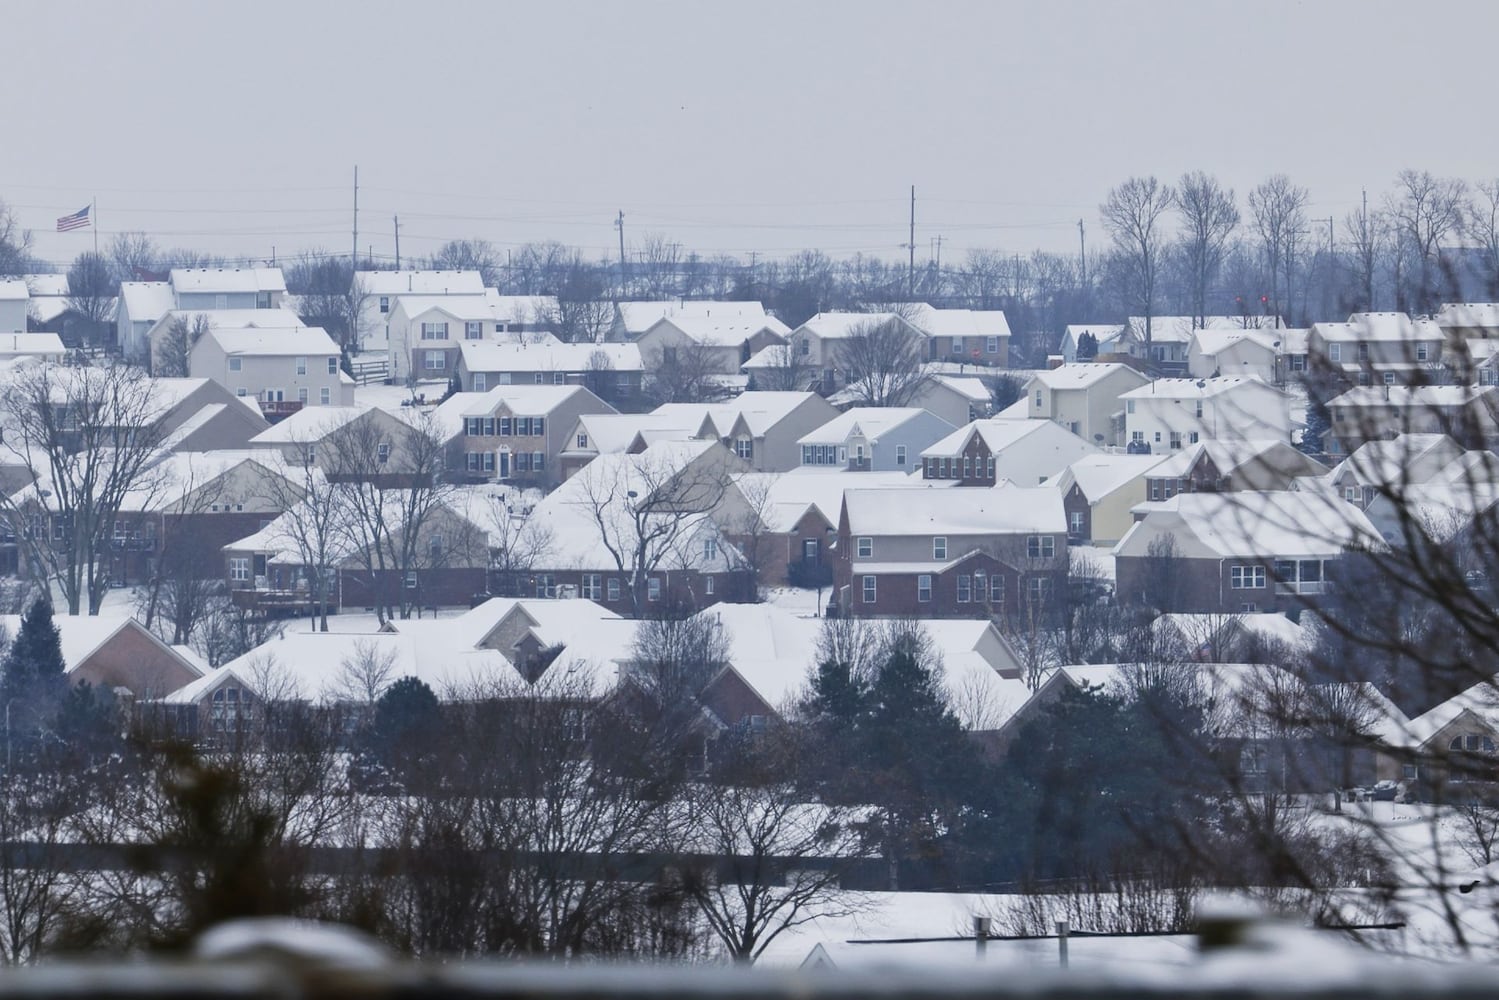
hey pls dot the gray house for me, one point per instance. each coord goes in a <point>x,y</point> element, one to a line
<point>874,438</point>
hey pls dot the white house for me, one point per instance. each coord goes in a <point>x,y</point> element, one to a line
<point>1107,335</point>
<point>43,346</point>
<point>1171,336</point>
<point>609,370</point>
<point>1250,353</point>
<point>631,319</point>
<point>140,306</point>
<point>284,369</point>
<point>819,343</point>
<point>1083,398</point>
<point>376,293</point>
<point>14,300</point>
<point>727,340</point>
<point>874,438</point>
<point>1169,413</point>
<point>227,287</point>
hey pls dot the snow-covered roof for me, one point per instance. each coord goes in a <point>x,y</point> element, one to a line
<point>936,322</point>
<point>461,307</point>
<point>1468,315</point>
<point>38,344</point>
<point>867,421</point>
<point>761,411</point>
<point>81,635</point>
<point>1083,375</point>
<point>842,325</point>
<point>1226,454</point>
<point>484,356</point>
<point>1252,525</point>
<point>13,290</point>
<point>1179,329</point>
<point>1212,342</point>
<point>1420,396</point>
<point>783,499</point>
<point>391,283</point>
<point>1196,388</point>
<point>1391,327</point>
<point>274,342</point>
<point>613,432</point>
<point>1000,434</point>
<point>724,329</point>
<point>1482,700</point>
<point>522,308</point>
<point>146,301</point>
<point>973,388</point>
<point>1394,461</point>
<point>638,317</point>
<point>46,285</point>
<point>531,400</point>
<point>1002,509</point>
<point>1100,475</point>
<point>227,279</point>
<point>311,423</point>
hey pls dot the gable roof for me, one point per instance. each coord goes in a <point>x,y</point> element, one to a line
<point>1197,388</point>
<point>390,283</point>
<point>1002,509</point>
<point>999,434</point>
<point>1212,342</point>
<point>215,280</point>
<point>531,400</point>
<point>274,342</point>
<point>842,325</point>
<point>1226,454</point>
<point>1396,460</point>
<point>13,290</point>
<point>1252,524</point>
<point>80,636</point>
<point>46,285</point>
<point>485,356</point>
<point>1418,396</point>
<point>1467,315</point>
<point>1083,375</point>
<point>614,432</point>
<point>638,317</point>
<point>1389,327</point>
<point>760,409</point>
<point>721,329</point>
<point>869,421</point>
<point>147,301</point>
<point>783,499</point>
<point>309,424</point>
<point>1178,329</point>
<point>936,322</point>
<point>1100,475</point>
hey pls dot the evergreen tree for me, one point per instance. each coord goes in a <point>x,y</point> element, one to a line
<point>88,725</point>
<point>33,676</point>
<point>406,728</point>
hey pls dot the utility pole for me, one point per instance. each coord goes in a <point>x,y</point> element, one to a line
<point>937,241</point>
<point>1329,237</point>
<point>397,220</point>
<point>354,260</point>
<point>911,246</point>
<point>1082,252</point>
<point>753,255</point>
<point>619,223</point>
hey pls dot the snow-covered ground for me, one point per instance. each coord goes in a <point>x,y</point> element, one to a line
<point>797,601</point>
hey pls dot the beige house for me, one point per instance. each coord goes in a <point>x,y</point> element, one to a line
<point>284,369</point>
<point>1378,348</point>
<point>376,293</point>
<point>819,343</point>
<point>1468,414</point>
<point>726,341</point>
<point>1084,398</point>
<point>1098,494</point>
<point>762,428</point>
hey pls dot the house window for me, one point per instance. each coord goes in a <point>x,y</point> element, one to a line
<point>957,345</point>
<point>385,303</point>
<point>980,586</point>
<point>559,378</point>
<point>236,364</point>
<point>1363,352</point>
<point>1423,352</point>
<point>1335,353</point>
<point>302,395</point>
<point>1040,546</point>
<point>382,453</point>
<point>869,591</point>
<point>473,330</point>
<point>1198,409</point>
<point>1363,378</point>
<point>411,580</point>
<point>1040,589</point>
<point>333,366</point>
<point>939,547</point>
<point>504,426</point>
<point>967,467</point>
<point>710,549</point>
<point>538,461</point>
<point>653,589</point>
<point>1075,524</point>
<point>991,467</point>
<point>1129,406</point>
<point>965,589</point>
<point>242,391</point>
<point>613,588</point>
<point>804,347</point>
<point>1176,440</point>
<point>1137,436</point>
<point>744,448</point>
<point>1193,437</point>
<point>481,382</point>
<point>991,345</point>
<point>900,454</point>
<point>436,361</point>
<point>239,568</point>
<point>301,366</point>
<point>1389,378</point>
<point>434,331</point>
<point>582,440</point>
<point>540,378</point>
<point>224,708</point>
<point>1038,397</point>
<point>924,588</point>
<point>1246,577</point>
<point>592,586</point>
<point>434,549</point>
<point>866,547</point>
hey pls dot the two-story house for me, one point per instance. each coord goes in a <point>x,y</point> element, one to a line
<point>1099,493</point>
<point>1246,353</point>
<point>518,433</point>
<point>1084,398</point>
<point>1389,466</point>
<point>723,342</point>
<point>820,345</point>
<point>632,319</point>
<point>376,293</point>
<point>15,298</point>
<point>762,428</point>
<point>205,288</point>
<point>1230,466</point>
<point>950,553</point>
<point>1169,414</point>
<point>284,369</point>
<point>986,451</point>
<point>1170,337</point>
<point>424,332</point>
<point>140,306</point>
<point>970,336</point>
<point>1226,553</point>
<point>1102,339</point>
<point>595,434</point>
<point>1377,348</point>
<point>874,438</point>
<point>1468,414</point>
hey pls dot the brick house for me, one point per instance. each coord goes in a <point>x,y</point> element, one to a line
<point>116,652</point>
<point>1228,467</point>
<point>986,451</point>
<point>949,553</point>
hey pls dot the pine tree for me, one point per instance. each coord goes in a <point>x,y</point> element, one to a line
<point>33,676</point>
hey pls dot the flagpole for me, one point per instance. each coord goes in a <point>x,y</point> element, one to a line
<point>95,214</point>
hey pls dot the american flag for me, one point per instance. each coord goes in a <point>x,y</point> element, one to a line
<point>77,220</point>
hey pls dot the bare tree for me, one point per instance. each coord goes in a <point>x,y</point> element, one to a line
<point>1209,218</point>
<point>1132,216</point>
<point>328,295</point>
<point>1278,208</point>
<point>469,255</point>
<point>660,260</point>
<point>133,257</point>
<point>15,244</point>
<point>88,439</point>
<point>314,525</point>
<point>1426,210</point>
<point>91,293</point>
<point>687,373</point>
<point>781,370</point>
<point>363,675</point>
<point>519,544</point>
<point>172,358</point>
<point>882,362</point>
<point>1482,227</point>
<point>1366,233</point>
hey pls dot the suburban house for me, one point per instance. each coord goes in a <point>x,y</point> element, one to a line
<point>117,653</point>
<point>763,428</point>
<point>971,336</point>
<point>609,371</point>
<point>724,341</point>
<point>949,553</point>
<point>164,343</point>
<point>14,301</point>
<point>1229,467</point>
<point>51,308</point>
<point>1393,464</point>
<point>1168,414</point>
<point>518,433</point>
<point>1468,320</point>
<point>376,293</point>
<point>1171,337</point>
<point>986,451</point>
<point>424,332</point>
<point>819,344</point>
<point>41,346</point>
<point>217,288</point>
<point>633,319</point>
<point>1084,398</point>
<point>1374,348</point>
<point>1218,352</point>
<point>595,434</point>
<point>285,369</point>
<point>640,530</point>
<point>141,304</point>
<point>1224,553</point>
<point>874,438</point>
<point>1099,493</point>
<point>955,398</point>
<point>785,523</point>
<point>1107,337</point>
<point>199,414</point>
<point>1468,414</point>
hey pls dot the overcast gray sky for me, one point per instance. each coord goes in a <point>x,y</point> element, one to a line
<point>727,126</point>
